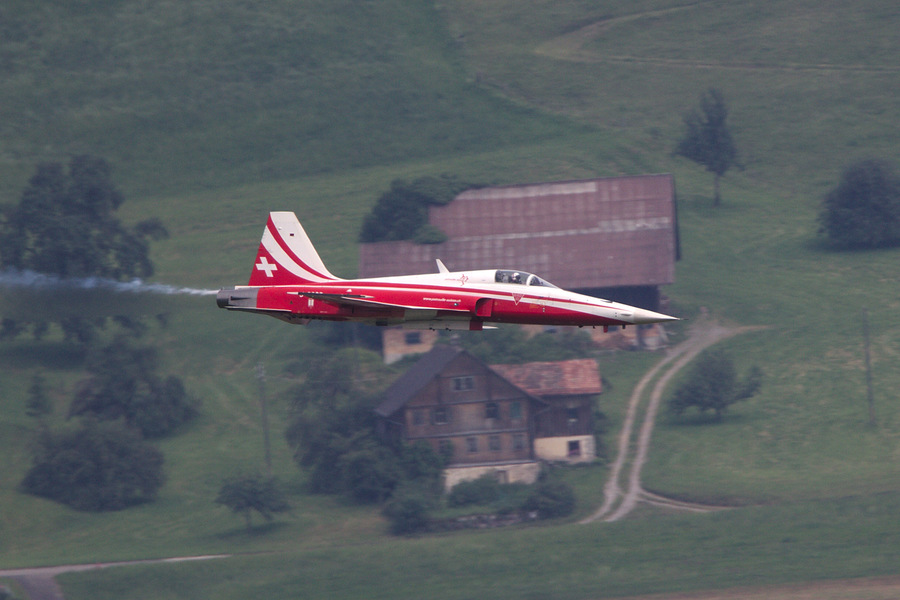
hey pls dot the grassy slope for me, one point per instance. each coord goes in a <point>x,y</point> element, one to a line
<point>211,94</point>
<point>752,262</point>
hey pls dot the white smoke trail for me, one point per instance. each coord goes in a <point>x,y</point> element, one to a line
<point>39,281</point>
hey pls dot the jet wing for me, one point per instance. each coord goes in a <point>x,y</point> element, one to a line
<point>370,302</point>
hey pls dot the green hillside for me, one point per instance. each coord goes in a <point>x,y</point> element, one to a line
<point>215,113</point>
<point>211,94</point>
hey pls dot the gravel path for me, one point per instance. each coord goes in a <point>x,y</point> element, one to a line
<point>40,583</point>
<point>617,502</point>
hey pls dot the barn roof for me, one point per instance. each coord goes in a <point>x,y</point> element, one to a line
<point>569,377</point>
<point>595,233</point>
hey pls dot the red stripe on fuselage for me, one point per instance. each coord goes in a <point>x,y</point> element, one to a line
<point>452,301</point>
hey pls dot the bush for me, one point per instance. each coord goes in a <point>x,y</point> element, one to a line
<point>484,490</point>
<point>370,473</point>
<point>101,466</point>
<point>123,384</point>
<point>863,211</point>
<point>408,511</point>
<point>551,498</point>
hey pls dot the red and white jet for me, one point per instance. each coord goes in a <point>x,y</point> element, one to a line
<point>290,282</point>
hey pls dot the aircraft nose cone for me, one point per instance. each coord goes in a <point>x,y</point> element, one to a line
<point>642,316</point>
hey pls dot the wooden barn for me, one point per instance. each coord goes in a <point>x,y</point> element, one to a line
<point>483,422</point>
<point>614,238</point>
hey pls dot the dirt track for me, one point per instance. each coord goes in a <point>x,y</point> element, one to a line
<point>618,503</point>
<point>40,582</point>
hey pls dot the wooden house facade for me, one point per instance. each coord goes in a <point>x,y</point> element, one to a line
<point>564,429</point>
<point>481,421</point>
<point>467,412</point>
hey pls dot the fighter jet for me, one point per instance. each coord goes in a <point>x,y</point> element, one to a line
<point>290,282</point>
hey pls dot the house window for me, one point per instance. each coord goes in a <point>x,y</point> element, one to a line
<point>445,449</point>
<point>463,384</point>
<point>472,444</point>
<point>491,411</point>
<point>494,443</point>
<point>572,414</point>
<point>413,338</point>
<point>518,441</point>
<point>515,410</point>
<point>440,415</point>
<point>574,448</point>
<point>418,416</point>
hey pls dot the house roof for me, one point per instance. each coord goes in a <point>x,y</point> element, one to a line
<point>415,378</point>
<point>570,377</point>
<point>595,233</point>
<point>423,372</point>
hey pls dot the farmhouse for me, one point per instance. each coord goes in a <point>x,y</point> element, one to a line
<point>482,421</point>
<point>613,238</point>
<point>564,428</point>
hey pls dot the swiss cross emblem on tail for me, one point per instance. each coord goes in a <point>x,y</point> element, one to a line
<point>265,265</point>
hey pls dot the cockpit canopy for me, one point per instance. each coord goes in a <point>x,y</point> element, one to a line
<point>520,277</point>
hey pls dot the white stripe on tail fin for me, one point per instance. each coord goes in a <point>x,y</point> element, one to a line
<point>286,256</point>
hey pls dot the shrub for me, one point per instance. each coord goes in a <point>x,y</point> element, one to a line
<point>123,384</point>
<point>863,211</point>
<point>408,510</point>
<point>101,466</point>
<point>370,473</point>
<point>551,498</point>
<point>484,490</point>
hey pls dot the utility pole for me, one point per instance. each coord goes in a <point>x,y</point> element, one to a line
<point>264,406</point>
<point>869,392</point>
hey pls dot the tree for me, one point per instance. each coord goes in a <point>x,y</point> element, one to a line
<point>707,139</point>
<point>401,213</point>
<point>333,432</point>
<point>123,384</point>
<point>332,413</point>
<point>98,467</point>
<point>863,211</point>
<point>369,472</point>
<point>712,384</point>
<point>65,225</point>
<point>245,494</point>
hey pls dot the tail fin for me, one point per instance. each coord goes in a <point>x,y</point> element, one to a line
<point>286,256</point>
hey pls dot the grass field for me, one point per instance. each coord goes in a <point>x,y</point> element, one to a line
<point>316,107</point>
